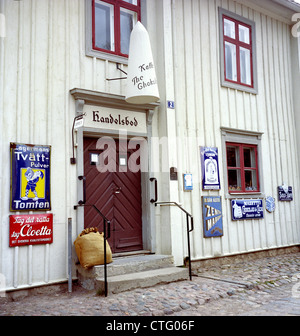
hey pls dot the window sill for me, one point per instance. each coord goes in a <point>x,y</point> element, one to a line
<point>106,56</point>
<point>243,195</point>
<point>238,87</point>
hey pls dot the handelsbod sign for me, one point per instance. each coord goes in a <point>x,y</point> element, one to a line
<point>115,119</point>
<point>30,229</point>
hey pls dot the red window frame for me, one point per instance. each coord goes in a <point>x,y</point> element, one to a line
<point>238,44</point>
<point>242,168</point>
<point>118,4</point>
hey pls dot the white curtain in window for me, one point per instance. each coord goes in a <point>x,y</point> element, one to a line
<point>134,2</point>
<point>245,66</point>
<point>244,34</point>
<point>230,60</point>
<point>229,28</point>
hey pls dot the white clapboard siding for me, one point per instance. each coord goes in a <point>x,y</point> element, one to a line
<point>203,106</point>
<point>43,57</point>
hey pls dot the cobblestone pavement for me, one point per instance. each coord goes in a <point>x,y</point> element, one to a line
<point>266,286</point>
<point>274,302</point>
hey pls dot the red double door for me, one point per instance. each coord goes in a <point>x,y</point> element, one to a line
<point>116,193</point>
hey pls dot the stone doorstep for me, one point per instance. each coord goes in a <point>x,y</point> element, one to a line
<point>127,282</point>
<point>124,265</point>
<point>127,273</point>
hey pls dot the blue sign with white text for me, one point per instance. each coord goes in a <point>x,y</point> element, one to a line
<point>188,182</point>
<point>210,168</point>
<point>30,177</point>
<point>247,209</point>
<point>285,193</point>
<point>212,216</point>
<point>171,104</point>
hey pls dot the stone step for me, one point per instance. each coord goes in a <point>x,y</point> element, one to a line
<point>130,264</point>
<point>121,266</point>
<point>126,282</point>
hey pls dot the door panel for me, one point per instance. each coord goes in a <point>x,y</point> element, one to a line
<point>116,194</point>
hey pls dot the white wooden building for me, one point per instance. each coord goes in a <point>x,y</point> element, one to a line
<point>228,74</point>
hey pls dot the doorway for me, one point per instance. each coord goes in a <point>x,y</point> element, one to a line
<point>116,191</point>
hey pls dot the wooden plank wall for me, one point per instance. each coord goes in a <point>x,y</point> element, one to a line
<point>42,57</point>
<point>203,106</point>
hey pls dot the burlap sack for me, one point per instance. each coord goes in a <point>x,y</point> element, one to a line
<point>90,249</point>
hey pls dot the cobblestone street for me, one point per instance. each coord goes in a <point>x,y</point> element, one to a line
<point>274,302</point>
<point>266,286</point>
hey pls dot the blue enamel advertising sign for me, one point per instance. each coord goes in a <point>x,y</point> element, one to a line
<point>210,168</point>
<point>270,204</point>
<point>285,193</point>
<point>212,216</point>
<point>30,177</point>
<point>188,182</point>
<point>247,209</point>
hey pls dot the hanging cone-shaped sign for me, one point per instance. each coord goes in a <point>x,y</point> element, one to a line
<point>141,79</point>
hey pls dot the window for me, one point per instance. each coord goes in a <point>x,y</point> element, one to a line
<point>113,21</point>
<point>238,60</point>
<point>242,168</point>
<point>108,27</point>
<point>242,162</point>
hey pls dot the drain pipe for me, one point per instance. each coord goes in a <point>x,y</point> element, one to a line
<point>70,255</point>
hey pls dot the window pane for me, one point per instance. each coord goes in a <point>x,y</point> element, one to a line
<point>234,180</point>
<point>104,26</point>
<point>249,157</point>
<point>244,34</point>
<point>245,66</point>
<point>250,180</point>
<point>128,19</point>
<point>230,60</point>
<point>229,28</point>
<point>233,156</point>
<point>134,2</point>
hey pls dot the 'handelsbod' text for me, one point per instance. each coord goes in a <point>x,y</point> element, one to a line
<point>123,121</point>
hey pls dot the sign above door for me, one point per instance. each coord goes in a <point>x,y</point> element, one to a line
<point>114,119</point>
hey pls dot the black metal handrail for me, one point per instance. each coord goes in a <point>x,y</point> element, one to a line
<point>106,234</point>
<point>189,230</point>
<point>106,228</point>
<point>154,200</point>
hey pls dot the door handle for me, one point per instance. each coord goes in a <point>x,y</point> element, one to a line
<point>118,190</point>
<point>155,186</point>
<point>108,229</point>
